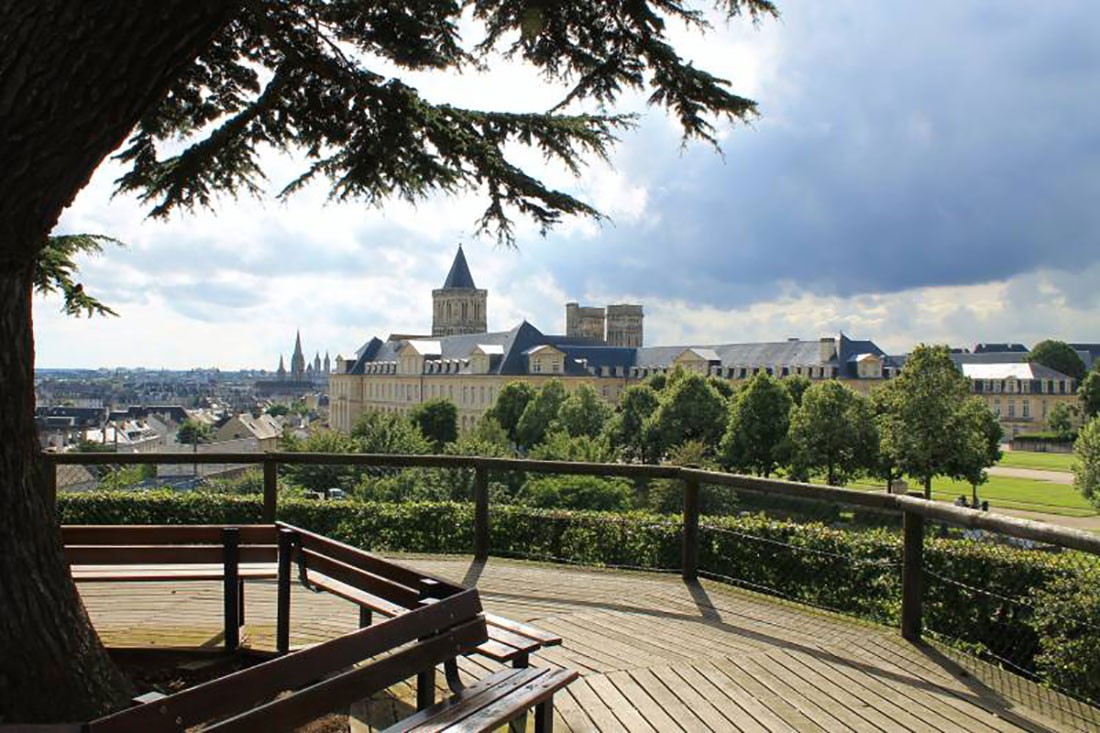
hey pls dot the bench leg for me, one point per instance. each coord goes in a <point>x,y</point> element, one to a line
<point>365,617</point>
<point>450,671</point>
<point>523,661</point>
<point>425,689</point>
<point>544,717</point>
<point>240,607</point>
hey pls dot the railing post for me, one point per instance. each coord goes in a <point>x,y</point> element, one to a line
<point>231,541</point>
<point>911,570</point>
<point>481,513</point>
<point>690,561</point>
<point>282,614</point>
<point>271,488</point>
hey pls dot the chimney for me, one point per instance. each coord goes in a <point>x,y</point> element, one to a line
<point>828,348</point>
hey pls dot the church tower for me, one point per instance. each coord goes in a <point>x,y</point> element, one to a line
<point>298,360</point>
<point>459,306</point>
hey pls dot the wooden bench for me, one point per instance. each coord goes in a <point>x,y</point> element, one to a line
<point>427,621</point>
<point>502,698</point>
<point>120,553</point>
<point>493,701</point>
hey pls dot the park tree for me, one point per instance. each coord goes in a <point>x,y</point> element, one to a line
<point>797,385</point>
<point>388,433</point>
<point>625,429</point>
<point>756,434</point>
<point>540,414</point>
<point>437,420</point>
<point>509,406</point>
<point>321,478</point>
<point>1086,466</point>
<point>1059,356</point>
<point>194,91</point>
<point>584,413</point>
<point>921,434</point>
<point>980,448</point>
<point>193,432</point>
<point>1089,394</point>
<point>1060,420</point>
<point>689,409</point>
<point>832,432</point>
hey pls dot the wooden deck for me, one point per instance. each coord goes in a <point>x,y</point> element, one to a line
<point>655,654</point>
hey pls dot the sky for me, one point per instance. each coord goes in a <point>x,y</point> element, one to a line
<point>919,173</point>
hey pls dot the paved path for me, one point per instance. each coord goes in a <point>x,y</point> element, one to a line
<point>654,653</point>
<point>1036,474</point>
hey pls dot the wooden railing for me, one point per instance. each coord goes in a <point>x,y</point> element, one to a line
<point>915,511</point>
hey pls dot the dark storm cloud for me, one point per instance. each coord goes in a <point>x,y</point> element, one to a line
<point>903,146</point>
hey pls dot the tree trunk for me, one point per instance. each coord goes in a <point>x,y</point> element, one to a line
<point>928,488</point>
<point>47,639</point>
<point>75,77</point>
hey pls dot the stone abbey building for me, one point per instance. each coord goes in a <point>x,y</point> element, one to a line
<point>603,347</point>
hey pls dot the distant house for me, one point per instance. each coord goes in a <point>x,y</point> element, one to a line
<point>265,429</point>
<point>1020,393</point>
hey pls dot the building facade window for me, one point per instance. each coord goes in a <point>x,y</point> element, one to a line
<point>1026,408</point>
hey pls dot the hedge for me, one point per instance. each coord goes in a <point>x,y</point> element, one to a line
<point>1035,611</point>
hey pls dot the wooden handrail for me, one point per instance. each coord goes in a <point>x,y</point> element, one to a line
<point>916,511</point>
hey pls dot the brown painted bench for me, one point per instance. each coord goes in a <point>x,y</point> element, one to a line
<point>119,553</point>
<point>492,702</point>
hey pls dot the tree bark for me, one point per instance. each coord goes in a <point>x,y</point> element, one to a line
<point>75,77</point>
<point>49,644</point>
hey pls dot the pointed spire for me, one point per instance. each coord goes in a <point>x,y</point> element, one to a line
<point>297,343</point>
<point>459,276</point>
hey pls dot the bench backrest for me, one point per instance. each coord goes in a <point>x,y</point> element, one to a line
<point>167,544</point>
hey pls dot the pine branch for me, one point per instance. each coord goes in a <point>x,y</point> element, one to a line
<point>56,269</point>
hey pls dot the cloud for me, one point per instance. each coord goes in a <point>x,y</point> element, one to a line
<point>919,174</point>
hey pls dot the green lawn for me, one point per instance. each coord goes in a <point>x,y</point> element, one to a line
<point>1041,461</point>
<point>1009,493</point>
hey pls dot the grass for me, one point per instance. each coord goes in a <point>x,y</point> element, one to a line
<point>1041,461</point>
<point>1007,492</point>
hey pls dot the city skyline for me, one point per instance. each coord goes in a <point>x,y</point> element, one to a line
<point>925,177</point>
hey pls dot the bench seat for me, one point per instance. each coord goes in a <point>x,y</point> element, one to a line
<point>490,703</point>
<point>510,642</point>
<point>196,571</point>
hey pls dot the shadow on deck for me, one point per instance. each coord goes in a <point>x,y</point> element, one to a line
<point>655,653</point>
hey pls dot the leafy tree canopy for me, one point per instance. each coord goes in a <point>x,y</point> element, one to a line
<point>437,421</point>
<point>1089,394</point>
<point>756,436</point>
<point>584,413</point>
<point>689,409</point>
<point>832,431</point>
<point>1086,468</point>
<point>540,414</point>
<point>1059,356</point>
<point>194,431</point>
<point>383,432</point>
<point>1060,420</point>
<point>625,430</point>
<point>921,433</point>
<point>797,385</point>
<point>981,443</point>
<point>509,406</point>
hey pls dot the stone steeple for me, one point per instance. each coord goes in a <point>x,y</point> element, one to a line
<point>459,306</point>
<point>298,360</point>
<point>281,371</point>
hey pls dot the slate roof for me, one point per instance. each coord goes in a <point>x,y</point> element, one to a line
<point>459,277</point>
<point>587,355</point>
